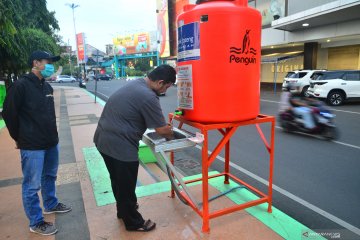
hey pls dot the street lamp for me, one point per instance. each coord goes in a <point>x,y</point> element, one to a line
<point>73,6</point>
<point>70,58</point>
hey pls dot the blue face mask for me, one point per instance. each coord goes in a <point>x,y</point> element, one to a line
<point>48,70</point>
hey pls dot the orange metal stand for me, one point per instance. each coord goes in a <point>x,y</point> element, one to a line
<point>227,130</point>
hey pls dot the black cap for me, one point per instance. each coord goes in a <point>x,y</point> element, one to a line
<point>39,55</point>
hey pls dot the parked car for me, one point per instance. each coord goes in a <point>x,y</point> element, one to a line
<point>65,78</point>
<point>300,79</point>
<point>336,86</point>
<point>103,77</point>
<point>90,76</point>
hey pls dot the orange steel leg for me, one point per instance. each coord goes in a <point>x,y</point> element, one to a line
<point>272,149</point>
<point>227,159</point>
<point>205,183</point>
<point>227,130</point>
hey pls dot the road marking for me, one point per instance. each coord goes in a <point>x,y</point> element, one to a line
<point>336,110</point>
<point>264,100</point>
<point>332,109</point>
<point>341,143</point>
<point>293,197</point>
<point>346,144</point>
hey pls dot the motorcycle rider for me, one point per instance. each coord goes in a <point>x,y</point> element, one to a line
<point>292,100</point>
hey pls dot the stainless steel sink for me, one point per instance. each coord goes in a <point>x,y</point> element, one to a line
<point>158,143</point>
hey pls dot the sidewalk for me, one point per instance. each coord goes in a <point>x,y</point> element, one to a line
<point>84,184</point>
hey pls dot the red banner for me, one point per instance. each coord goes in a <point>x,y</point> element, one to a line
<point>80,46</point>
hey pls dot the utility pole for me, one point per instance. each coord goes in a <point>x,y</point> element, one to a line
<point>70,57</point>
<point>96,76</point>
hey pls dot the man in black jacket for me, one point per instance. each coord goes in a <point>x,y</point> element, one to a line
<point>29,114</point>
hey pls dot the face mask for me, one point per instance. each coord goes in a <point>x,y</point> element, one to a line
<point>48,70</point>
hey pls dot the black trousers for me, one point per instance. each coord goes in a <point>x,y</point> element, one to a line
<point>123,176</point>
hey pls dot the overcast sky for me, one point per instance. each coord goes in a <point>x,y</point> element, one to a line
<point>102,20</point>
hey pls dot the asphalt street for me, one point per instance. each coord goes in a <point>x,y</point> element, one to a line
<point>316,182</point>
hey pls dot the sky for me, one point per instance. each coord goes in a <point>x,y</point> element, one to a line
<point>101,21</point>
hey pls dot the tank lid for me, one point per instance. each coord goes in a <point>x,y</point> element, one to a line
<point>237,2</point>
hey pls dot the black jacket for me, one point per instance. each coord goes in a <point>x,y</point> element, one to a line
<point>29,113</point>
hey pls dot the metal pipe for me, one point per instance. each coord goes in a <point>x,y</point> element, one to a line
<point>178,177</point>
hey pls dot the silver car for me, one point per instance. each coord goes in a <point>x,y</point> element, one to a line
<point>65,78</point>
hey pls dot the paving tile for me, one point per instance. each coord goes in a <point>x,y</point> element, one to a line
<point>13,223</point>
<point>10,157</point>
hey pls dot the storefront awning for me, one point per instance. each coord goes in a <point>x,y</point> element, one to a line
<point>274,58</point>
<point>330,13</point>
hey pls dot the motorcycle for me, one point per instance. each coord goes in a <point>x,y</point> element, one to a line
<point>323,117</point>
<point>82,84</point>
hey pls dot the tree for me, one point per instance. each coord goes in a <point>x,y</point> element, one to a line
<point>37,39</point>
<point>143,64</point>
<point>21,22</point>
<point>64,62</point>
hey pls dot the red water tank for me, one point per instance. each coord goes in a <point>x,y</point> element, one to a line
<point>219,56</point>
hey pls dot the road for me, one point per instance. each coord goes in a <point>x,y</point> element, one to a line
<point>316,182</point>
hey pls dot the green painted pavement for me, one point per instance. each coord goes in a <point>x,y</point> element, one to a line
<point>99,176</point>
<point>279,222</point>
<point>2,124</point>
<point>100,180</point>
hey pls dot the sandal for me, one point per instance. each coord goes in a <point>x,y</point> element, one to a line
<point>146,227</point>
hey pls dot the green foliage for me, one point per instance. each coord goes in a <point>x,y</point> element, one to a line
<point>141,66</point>
<point>37,39</point>
<point>64,62</point>
<point>36,15</point>
<point>25,26</point>
<point>66,70</point>
<point>133,72</point>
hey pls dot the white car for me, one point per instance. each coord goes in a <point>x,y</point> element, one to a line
<point>300,80</point>
<point>64,78</point>
<point>336,86</point>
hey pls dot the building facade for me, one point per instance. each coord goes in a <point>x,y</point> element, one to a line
<point>320,34</point>
<point>306,34</point>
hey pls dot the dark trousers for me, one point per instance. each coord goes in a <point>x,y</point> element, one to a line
<point>123,176</point>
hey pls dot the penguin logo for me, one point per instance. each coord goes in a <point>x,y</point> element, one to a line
<point>246,42</point>
<point>246,49</point>
<point>241,55</point>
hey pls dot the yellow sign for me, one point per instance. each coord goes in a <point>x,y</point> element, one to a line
<point>132,43</point>
<point>286,67</point>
